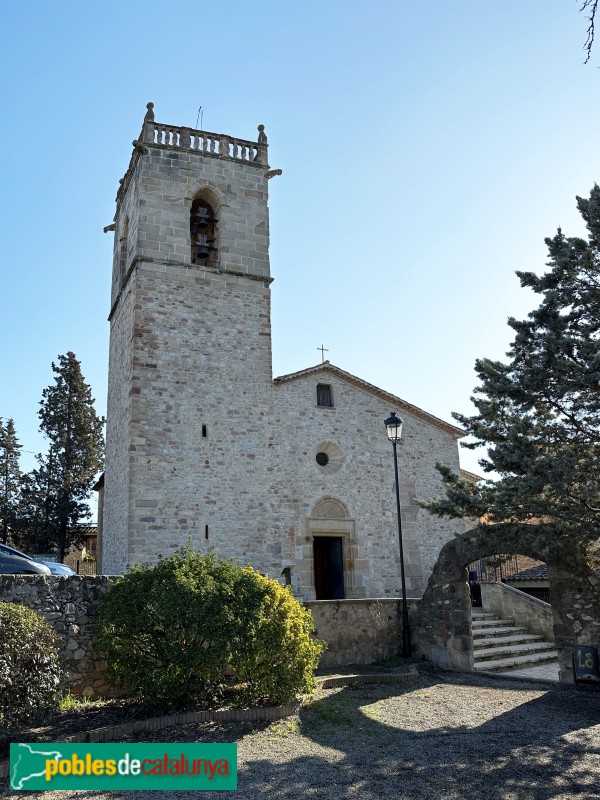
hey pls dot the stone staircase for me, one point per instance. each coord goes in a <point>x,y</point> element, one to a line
<point>501,646</point>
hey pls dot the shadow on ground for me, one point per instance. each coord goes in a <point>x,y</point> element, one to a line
<point>431,740</point>
<point>450,736</point>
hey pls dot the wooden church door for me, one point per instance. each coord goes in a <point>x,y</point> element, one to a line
<point>329,567</point>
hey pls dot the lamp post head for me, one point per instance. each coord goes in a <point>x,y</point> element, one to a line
<point>393,426</point>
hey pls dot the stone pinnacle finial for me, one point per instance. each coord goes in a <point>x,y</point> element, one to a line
<point>150,113</point>
<point>262,136</point>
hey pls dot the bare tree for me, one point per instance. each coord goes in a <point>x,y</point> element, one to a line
<point>589,6</point>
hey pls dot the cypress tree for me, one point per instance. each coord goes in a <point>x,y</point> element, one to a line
<point>10,478</point>
<point>67,471</point>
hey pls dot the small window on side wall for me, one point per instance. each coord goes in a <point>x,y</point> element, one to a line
<point>324,395</point>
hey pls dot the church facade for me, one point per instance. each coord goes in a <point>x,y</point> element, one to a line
<point>293,475</point>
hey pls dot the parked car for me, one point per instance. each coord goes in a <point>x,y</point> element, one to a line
<point>13,561</point>
<point>56,568</point>
<point>53,567</point>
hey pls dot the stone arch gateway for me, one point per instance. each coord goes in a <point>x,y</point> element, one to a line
<point>442,629</point>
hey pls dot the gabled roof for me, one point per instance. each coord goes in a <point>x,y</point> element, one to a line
<point>537,573</point>
<point>470,476</point>
<point>368,387</point>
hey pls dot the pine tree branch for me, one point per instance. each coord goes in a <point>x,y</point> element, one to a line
<point>581,502</point>
<point>590,433</point>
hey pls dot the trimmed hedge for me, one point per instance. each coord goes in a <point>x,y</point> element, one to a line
<point>181,631</point>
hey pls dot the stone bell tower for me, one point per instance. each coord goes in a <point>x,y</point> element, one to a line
<point>190,378</point>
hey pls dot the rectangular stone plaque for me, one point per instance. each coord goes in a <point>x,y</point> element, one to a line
<point>585,665</point>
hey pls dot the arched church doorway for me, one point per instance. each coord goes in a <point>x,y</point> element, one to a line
<point>328,556</point>
<point>333,551</point>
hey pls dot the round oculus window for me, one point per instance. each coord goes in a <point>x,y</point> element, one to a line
<point>322,459</point>
<point>328,456</point>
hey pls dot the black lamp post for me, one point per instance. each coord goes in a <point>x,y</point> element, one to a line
<point>393,426</point>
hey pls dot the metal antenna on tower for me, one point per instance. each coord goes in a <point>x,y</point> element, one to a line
<point>199,117</point>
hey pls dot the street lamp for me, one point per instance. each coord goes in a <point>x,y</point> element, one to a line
<point>393,426</point>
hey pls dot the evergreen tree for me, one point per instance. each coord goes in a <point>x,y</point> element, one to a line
<point>36,530</point>
<point>63,482</point>
<point>10,478</point>
<point>539,413</point>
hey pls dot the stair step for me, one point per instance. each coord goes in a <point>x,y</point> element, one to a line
<point>490,622</point>
<point>499,645</point>
<point>514,650</point>
<point>501,630</point>
<point>517,662</point>
<point>503,641</point>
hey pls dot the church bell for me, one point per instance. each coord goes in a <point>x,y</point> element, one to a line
<point>204,246</point>
<point>202,217</point>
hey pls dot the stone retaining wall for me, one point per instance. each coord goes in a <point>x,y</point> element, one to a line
<point>69,603</point>
<point>358,631</point>
<point>507,602</point>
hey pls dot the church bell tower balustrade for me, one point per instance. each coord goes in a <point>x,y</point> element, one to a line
<point>214,144</point>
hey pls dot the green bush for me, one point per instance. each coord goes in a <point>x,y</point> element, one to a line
<point>273,654</point>
<point>30,665</point>
<point>176,633</point>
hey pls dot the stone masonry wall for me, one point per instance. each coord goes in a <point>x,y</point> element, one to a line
<point>507,602</point>
<point>194,357</point>
<point>127,220</point>
<point>169,180</point>
<point>69,604</point>
<point>361,478</point>
<point>115,510</point>
<point>358,631</point>
<point>194,373</point>
<point>575,589</point>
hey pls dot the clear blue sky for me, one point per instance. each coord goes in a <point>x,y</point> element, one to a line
<point>427,150</point>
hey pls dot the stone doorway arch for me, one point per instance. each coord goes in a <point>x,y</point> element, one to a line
<point>330,520</point>
<point>442,630</point>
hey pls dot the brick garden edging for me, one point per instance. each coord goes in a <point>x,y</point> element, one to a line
<point>384,677</point>
<point>268,713</point>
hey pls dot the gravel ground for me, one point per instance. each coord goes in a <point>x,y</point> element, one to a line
<point>457,737</point>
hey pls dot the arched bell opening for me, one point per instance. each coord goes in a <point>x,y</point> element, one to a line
<point>203,233</point>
